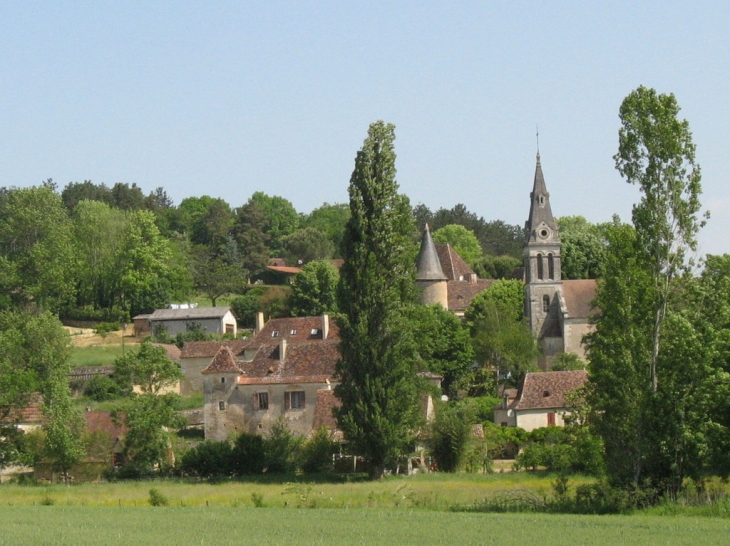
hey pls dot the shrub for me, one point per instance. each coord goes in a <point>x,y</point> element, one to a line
<point>249,455</point>
<point>449,435</point>
<point>282,448</point>
<point>318,450</point>
<point>101,388</point>
<point>103,328</point>
<point>208,459</point>
<point>157,498</point>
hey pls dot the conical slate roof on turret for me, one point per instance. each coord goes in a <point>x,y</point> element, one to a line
<point>540,211</point>
<point>428,266</point>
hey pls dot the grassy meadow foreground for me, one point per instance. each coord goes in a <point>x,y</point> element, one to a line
<point>396,510</point>
<point>61,525</point>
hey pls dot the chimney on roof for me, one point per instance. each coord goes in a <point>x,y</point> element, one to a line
<point>473,278</point>
<point>282,349</point>
<point>259,322</point>
<point>325,326</point>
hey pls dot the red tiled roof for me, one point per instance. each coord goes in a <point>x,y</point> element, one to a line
<point>312,362</point>
<point>548,389</point>
<point>223,362</point>
<point>287,270</point>
<point>173,352</point>
<point>208,349</point>
<point>461,293</point>
<point>101,421</point>
<point>302,328</point>
<point>31,413</point>
<point>453,265</point>
<point>578,295</point>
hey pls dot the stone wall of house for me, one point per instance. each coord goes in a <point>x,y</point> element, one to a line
<point>239,414</point>
<point>223,410</point>
<point>433,292</point>
<point>574,330</point>
<point>537,418</point>
<point>192,383</point>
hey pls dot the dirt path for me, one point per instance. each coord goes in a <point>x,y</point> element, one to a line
<point>85,337</point>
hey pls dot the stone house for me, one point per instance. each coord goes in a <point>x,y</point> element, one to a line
<point>195,356</point>
<point>540,400</point>
<point>211,320</point>
<point>286,370</point>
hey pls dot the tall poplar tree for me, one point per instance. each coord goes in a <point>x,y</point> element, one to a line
<point>378,384</point>
<point>651,368</point>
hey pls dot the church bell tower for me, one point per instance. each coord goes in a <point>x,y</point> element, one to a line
<point>543,282</point>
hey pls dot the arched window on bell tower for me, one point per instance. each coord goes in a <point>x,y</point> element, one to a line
<point>551,267</point>
<point>545,303</point>
<point>539,267</point>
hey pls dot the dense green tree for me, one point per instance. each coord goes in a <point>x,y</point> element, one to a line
<point>330,219</point>
<point>314,291</point>
<point>282,218</point>
<point>126,197</point>
<point>583,248</point>
<point>378,386</point>
<point>249,231</point>
<point>449,435</point>
<point>444,345</point>
<point>496,267</point>
<point>656,153</point>
<point>461,239</point>
<point>149,417</point>
<point>99,236</point>
<point>36,247</point>
<point>35,353</point>
<point>149,368</point>
<point>305,245</point>
<point>215,275</point>
<point>146,275</point>
<point>647,336</point>
<point>567,362</point>
<point>75,192</point>
<point>503,344</point>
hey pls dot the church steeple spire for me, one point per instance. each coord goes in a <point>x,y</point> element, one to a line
<point>540,225</point>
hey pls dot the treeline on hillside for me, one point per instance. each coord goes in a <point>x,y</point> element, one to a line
<point>108,253</point>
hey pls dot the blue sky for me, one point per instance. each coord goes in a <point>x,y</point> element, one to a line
<point>229,98</point>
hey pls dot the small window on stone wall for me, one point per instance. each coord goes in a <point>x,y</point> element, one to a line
<point>261,400</point>
<point>294,400</point>
<point>221,405</point>
<point>545,303</point>
<point>223,379</point>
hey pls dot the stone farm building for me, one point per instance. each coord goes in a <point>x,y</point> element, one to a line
<point>211,320</point>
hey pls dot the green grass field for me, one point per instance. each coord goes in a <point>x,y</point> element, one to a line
<point>61,525</point>
<point>96,355</point>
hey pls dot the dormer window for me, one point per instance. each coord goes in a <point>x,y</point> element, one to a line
<point>541,200</point>
<point>275,333</point>
<point>293,332</point>
<point>545,394</point>
<point>315,331</point>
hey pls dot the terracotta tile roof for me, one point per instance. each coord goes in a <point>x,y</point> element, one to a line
<point>31,413</point>
<point>223,362</point>
<point>208,349</point>
<point>173,352</point>
<point>578,295</point>
<point>323,406</point>
<point>196,313</point>
<point>287,270</point>
<point>462,292</point>
<point>311,362</point>
<point>302,328</point>
<point>453,265</point>
<point>101,421</point>
<point>548,389</point>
